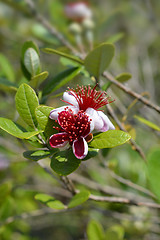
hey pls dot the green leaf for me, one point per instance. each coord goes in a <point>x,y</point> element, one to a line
<point>6,85</point>
<point>115,232</point>
<point>38,79</point>
<point>6,68</point>
<point>61,79</point>
<point>26,46</point>
<point>26,103</point>
<point>44,122</point>
<point>31,61</point>
<point>37,155</point>
<point>123,77</point>
<point>79,198</point>
<point>91,153</point>
<point>5,189</point>
<point>62,54</point>
<point>99,59</point>
<point>109,139</point>
<point>43,197</point>
<point>64,162</point>
<point>95,231</point>
<point>153,166</point>
<point>148,123</point>
<point>115,38</point>
<point>49,201</point>
<point>13,129</point>
<point>111,235</point>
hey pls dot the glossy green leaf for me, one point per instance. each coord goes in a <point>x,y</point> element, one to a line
<point>153,166</point>
<point>13,129</point>
<point>123,77</point>
<point>62,54</point>
<point>6,69</point>
<point>38,79</point>
<point>95,231</point>
<point>44,122</point>
<point>36,155</point>
<point>60,80</point>
<point>26,103</point>
<point>99,59</point>
<point>49,201</point>
<point>148,123</point>
<point>6,85</point>
<point>26,46</point>
<point>91,153</point>
<point>64,162</point>
<point>109,139</point>
<point>31,61</point>
<point>79,198</point>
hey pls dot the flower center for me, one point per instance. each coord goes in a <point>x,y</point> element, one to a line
<point>75,125</point>
<point>89,98</point>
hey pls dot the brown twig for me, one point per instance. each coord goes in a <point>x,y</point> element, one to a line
<point>130,92</point>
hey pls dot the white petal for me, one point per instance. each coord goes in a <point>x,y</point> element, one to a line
<point>54,113</point>
<point>96,119</point>
<point>80,148</point>
<point>107,123</point>
<point>68,97</point>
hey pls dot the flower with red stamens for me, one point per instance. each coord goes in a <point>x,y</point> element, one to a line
<point>74,128</point>
<point>88,100</point>
<point>78,11</point>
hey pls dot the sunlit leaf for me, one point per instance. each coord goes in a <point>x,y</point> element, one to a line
<point>79,198</point>
<point>99,59</point>
<point>26,103</point>
<point>148,123</point>
<point>49,201</point>
<point>95,231</point>
<point>13,129</point>
<point>109,139</point>
<point>64,162</point>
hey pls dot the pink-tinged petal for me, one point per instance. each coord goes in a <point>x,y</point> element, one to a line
<point>80,148</point>
<point>54,113</point>
<point>70,99</point>
<point>107,123</point>
<point>97,121</point>
<point>58,140</point>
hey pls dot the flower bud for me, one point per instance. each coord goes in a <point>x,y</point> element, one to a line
<point>75,28</point>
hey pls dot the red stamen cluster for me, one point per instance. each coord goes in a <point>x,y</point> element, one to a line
<point>89,98</point>
<point>75,125</point>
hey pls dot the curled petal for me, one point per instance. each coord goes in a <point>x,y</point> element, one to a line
<point>80,148</point>
<point>55,112</point>
<point>58,140</point>
<point>97,121</point>
<point>107,123</point>
<point>69,98</point>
